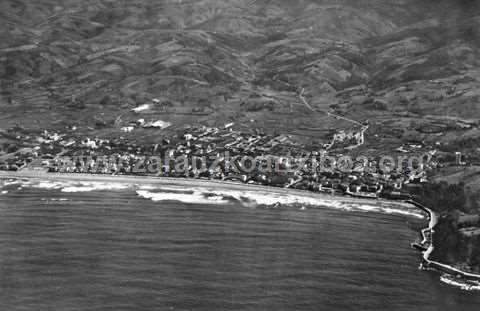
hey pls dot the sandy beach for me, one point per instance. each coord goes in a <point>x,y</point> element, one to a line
<point>190,182</point>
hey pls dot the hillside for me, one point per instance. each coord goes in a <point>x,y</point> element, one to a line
<point>58,53</point>
<point>290,71</point>
<point>410,68</point>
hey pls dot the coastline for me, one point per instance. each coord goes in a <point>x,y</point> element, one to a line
<point>149,180</point>
<point>427,262</point>
<point>427,233</point>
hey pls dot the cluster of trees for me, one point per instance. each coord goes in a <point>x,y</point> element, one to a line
<point>449,200</point>
<point>443,197</point>
<point>452,247</point>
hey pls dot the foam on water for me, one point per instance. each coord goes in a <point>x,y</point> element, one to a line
<point>72,186</point>
<point>7,185</point>
<point>221,195</point>
<point>462,284</point>
<point>263,198</point>
<point>269,199</point>
<point>95,186</point>
<point>47,185</point>
<point>9,182</point>
<point>189,198</point>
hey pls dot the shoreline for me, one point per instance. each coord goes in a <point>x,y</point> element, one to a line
<point>427,238</point>
<point>427,263</point>
<point>148,180</point>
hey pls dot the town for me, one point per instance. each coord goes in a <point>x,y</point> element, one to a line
<point>218,153</point>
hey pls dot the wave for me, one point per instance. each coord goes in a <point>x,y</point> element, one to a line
<point>10,182</point>
<point>269,199</point>
<point>74,186</point>
<point>189,198</point>
<point>462,284</point>
<point>45,185</point>
<point>95,186</point>
<point>223,195</point>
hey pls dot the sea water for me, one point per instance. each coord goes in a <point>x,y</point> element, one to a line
<point>115,247</point>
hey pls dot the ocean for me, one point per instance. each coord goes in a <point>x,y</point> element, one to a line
<point>108,247</point>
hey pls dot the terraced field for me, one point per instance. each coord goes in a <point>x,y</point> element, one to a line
<point>409,69</point>
<point>87,65</point>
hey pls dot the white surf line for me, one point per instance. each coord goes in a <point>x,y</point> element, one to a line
<point>152,180</point>
<point>213,186</point>
<point>464,286</point>
<point>135,180</point>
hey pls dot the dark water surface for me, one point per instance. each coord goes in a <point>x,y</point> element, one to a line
<point>116,251</point>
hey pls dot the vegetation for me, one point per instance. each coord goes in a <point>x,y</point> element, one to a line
<point>407,69</point>
<point>442,197</point>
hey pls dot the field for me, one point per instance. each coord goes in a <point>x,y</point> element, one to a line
<point>408,69</point>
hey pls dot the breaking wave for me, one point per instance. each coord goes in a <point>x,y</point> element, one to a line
<point>263,198</point>
<point>189,198</point>
<point>73,186</point>
<point>95,186</point>
<point>221,195</point>
<point>462,284</point>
